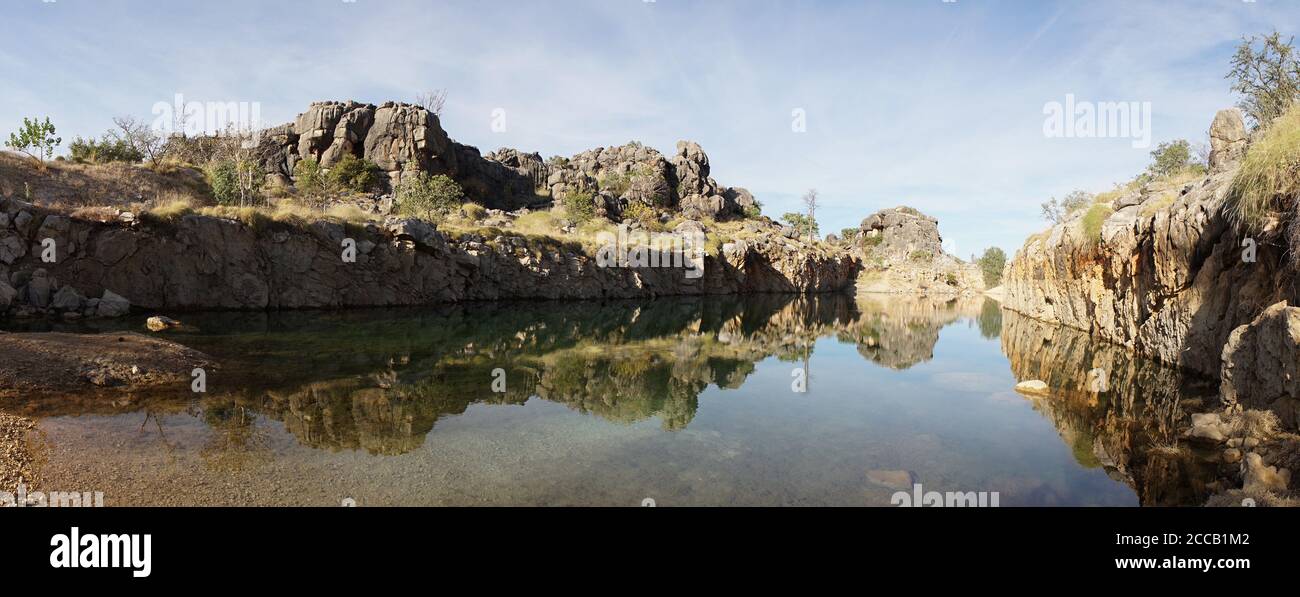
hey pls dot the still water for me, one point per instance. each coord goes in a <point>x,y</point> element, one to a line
<point>682,401</point>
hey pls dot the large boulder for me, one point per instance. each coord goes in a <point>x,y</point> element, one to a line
<point>67,299</point>
<point>112,305</point>
<point>1261,364</point>
<point>39,289</point>
<point>1227,139</point>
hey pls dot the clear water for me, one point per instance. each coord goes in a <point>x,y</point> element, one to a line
<point>683,401</point>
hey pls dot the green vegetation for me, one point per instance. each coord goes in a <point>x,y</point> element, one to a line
<point>921,256</point>
<point>754,211</point>
<point>310,179</point>
<point>473,211</point>
<point>354,174</point>
<point>580,205</point>
<point>640,212</point>
<point>1171,158</point>
<point>991,264</point>
<point>107,149</point>
<point>236,181</point>
<point>803,223</point>
<point>1268,78</point>
<point>1270,174</point>
<point>36,139</point>
<point>1093,220</point>
<point>429,197</point>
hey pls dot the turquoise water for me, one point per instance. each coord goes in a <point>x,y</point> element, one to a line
<point>680,401</point>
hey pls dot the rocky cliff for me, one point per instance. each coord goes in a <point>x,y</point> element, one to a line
<point>1168,275</point>
<point>203,262</point>
<point>902,252</point>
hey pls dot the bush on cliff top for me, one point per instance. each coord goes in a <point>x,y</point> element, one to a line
<point>429,197</point>
<point>1269,177</point>
<point>1093,220</point>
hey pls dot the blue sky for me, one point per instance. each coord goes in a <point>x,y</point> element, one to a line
<point>937,105</point>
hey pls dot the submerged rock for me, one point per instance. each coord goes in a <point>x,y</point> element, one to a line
<point>1034,387</point>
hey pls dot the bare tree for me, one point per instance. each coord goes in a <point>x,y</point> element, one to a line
<point>140,136</point>
<point>432,101</point>
<point>810,202</point>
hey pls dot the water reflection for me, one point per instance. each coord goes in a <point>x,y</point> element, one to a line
<point>379,382</point>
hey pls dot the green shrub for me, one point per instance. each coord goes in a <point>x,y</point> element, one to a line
<point>105,150</point>
<point>580,205</point>
<point>310,179</point>
<point>921,256</point>
<point>1269,175</point>
<point>429,197</point>
<point>354,174</point>
<point>639,212</point>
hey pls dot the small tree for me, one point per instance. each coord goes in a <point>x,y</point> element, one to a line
<point>991,264</point>
<point>1170,157</point>
<point>1268,78</point>
<point>428,197</point>
<point>311,181</point>
<point>36,139</point>
<point>140,137</point>
<point>1056,212</point>
<point>810,205</point>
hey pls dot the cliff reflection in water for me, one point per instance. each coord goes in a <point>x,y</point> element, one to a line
<point>1115,411</point>
<point>379,382</point>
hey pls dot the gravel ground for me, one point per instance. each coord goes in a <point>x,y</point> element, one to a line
<point>16,461</point>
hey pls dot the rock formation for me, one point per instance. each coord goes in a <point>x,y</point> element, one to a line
<point>202,262</point>
<point>1261,364</point>
<point>903,253</point>
<point>396,136</point>
<point>1167,276</point>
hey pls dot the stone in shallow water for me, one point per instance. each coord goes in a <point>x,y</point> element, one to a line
<point>1033,386</point>
<point>892,479</point>
<point>158,323</point>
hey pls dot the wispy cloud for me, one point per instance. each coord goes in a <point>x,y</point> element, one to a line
<point>936,105</point>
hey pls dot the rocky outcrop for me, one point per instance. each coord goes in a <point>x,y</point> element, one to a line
<point>902,252</point>
<point>1261,364</point>
<point>1167,275</point>
<point>634,173</point>
<point>201,262</point>
<point>398,137</point>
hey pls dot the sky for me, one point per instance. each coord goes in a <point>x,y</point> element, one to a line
<point>937,105</point>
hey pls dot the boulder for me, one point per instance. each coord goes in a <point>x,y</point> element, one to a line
<point>1261,364</point>
<point>1227,139</point>
<point>67,299</point>
<point>112,305</point>
<point>158,323</point>
<point>1258,477</point>
<point>1033,387</point>
<point>39,289</point>
<point>422,232</point>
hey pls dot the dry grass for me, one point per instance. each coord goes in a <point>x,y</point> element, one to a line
<point>1269,178</point>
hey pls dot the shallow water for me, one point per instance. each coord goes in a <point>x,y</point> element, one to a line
<point>682,401</point>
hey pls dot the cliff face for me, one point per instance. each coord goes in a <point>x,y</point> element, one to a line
<point>1168,277</point>
<point>201,262</point>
